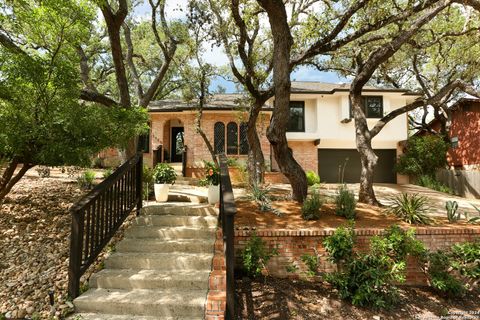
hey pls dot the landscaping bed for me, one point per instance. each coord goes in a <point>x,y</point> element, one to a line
<point>274,298</point>
<point>248,215</point>
<point>34,241</point>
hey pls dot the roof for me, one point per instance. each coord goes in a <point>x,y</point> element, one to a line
<point>232,101</point>
<point>330,88</point>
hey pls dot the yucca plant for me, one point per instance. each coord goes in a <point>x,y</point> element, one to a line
<point>452,214</point>
<point>411,208</point>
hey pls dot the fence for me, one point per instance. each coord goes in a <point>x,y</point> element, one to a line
<point>464,183</point>
<point>97,216</point>
<point>227,216</point>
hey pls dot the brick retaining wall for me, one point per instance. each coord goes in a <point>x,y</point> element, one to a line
<point>292,244</point>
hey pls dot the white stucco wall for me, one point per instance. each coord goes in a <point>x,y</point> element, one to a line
<point>324,113</point>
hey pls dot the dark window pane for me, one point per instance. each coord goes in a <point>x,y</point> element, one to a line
<point>296,123</point>
<point>144,142</point>
<point>232,138</point>
<point>243,138</point>
<point>219,137</point>
<point>373,106</point>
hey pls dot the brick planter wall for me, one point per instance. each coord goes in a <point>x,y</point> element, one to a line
<point>292,244</point>
<point>217,290</point>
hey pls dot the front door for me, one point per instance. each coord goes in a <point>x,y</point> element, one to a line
<point>177,144</point>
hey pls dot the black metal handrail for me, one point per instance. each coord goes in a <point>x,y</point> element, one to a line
<point>227,216</point>
<point>98,215</point>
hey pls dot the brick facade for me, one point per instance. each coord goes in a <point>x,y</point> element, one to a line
<point>196,149</point>
<point>292,244</point>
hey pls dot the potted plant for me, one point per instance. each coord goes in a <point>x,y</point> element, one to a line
<point>163,176</point>
<point>212,180</point>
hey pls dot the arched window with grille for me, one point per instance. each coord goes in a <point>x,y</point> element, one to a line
<point>232,138</point>
<point>219,137</point>
<point>243,138</point>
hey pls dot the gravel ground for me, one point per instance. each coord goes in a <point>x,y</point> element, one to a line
<point>34,242</point>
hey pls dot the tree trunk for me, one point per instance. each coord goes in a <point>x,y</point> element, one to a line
<point>368,158</point>
<point>9,179</point>
<point>276,133</point>
<point>256,160</point>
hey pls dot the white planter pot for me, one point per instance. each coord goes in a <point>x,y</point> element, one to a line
<point>161,192</point>
<point>213,194</point>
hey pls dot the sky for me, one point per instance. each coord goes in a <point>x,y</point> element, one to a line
<point>176,10</point>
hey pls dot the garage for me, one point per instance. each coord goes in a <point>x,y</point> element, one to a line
<point>331,160</point>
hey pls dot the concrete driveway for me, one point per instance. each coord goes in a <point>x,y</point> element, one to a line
<point>436,200</point>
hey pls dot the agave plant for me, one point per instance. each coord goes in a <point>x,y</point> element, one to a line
<point>476,219</point>
<point>411,208</point>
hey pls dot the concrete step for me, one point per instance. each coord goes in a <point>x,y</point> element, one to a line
<point>160,261</point>
<point>186,196</point>
<point>150,279</point>
<point>179,209</point>
<point>163,246</point>
<point>159,303</point>
<point>169,233</point>
<point>101,316</point>
<point>177,221</point>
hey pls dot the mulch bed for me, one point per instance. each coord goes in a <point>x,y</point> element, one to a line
<point>248,215</point>
<point>273,298</point>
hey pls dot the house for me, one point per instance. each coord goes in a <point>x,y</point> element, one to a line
<point>320,133</point>
<point>464,152</point>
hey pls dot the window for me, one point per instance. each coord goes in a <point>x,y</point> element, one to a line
<point>373,106</point>
<point>454,142</point>
<point>144,142</point>
<point>243,138</point>
<point>296,123</point>
<point>236,138</point>
<point>232,138</point>
<point>219,137</point>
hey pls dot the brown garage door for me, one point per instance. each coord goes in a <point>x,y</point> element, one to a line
<point>330,160</point>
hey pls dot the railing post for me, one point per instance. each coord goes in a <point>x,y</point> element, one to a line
<point>76,251</point>
<point>139,177</point>
<point>184,161</point>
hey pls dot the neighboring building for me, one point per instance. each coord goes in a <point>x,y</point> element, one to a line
<point>464,134</point>
<point>321,131</point>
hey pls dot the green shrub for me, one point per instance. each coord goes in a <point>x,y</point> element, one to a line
<point>312,178</point>
<point>440,277</point>
<point>424,155</point>
<point>312,262</point>
<point>311,207</point>
<point>466,259</point>
<point>107,173</point>
<point>164,174</point>
<point>368,279</point>
<point>85,181</point>
<point>212,174</point>
<point>398,243</point>
<point>452,214</point>
<point>256,255</point>
<point>345,203</point>
<point>339,245</point>
<point>431,183</point>
<point>410,208</point>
